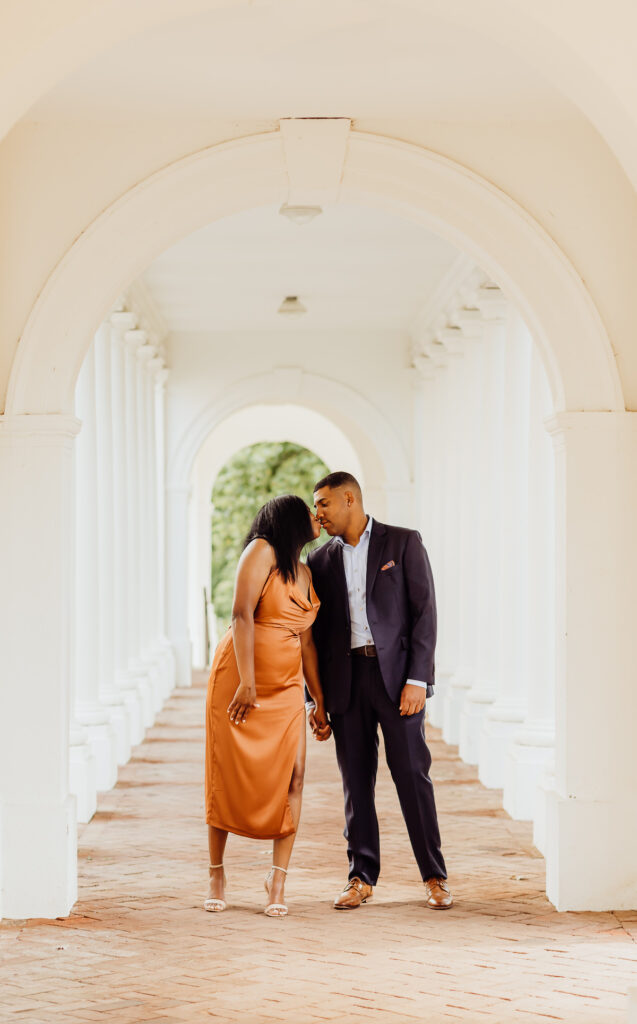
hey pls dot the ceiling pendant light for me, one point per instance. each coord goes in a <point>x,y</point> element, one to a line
<point>291,306</point>
<point>300,214</point>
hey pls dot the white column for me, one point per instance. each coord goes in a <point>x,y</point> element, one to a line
<point>170,665</point>
<point>148,660</point>
<point>177,500</point>
<point>487,509</point>
<point>591,848</point>
<point>426,444</point>
<point>448,578</point>
<point>89,711</point>
<point>107,583</point>
<point>137,671</point>
<point>38,824</point>
<point>509,709</point>
<point>160,651</point>
<point>532,752</point>
<point>464,406</point>
<point>122,444</point>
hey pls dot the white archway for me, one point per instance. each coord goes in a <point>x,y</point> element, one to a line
<point>596,552</point>
<point>430,189</point>
<point>363,430</point>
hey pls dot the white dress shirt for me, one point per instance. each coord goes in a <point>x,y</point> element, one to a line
<point>355,566</point>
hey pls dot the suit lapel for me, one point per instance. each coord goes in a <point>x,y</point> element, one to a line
<point>338,569</point>
<point>374,555</point>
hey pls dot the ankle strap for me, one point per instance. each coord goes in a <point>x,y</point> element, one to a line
<point>215,865</point>
<point>275,867</point>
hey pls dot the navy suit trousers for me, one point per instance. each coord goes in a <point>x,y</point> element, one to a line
<point>356,737</point>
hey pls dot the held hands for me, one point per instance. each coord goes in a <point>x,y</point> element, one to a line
<point>412,699</point>
<point>321,728</point>
<point>244,699</point>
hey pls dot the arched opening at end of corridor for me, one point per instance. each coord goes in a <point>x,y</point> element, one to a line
<point>249,479</point>
<point>255,427</point>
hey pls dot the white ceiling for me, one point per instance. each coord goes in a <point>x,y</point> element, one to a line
<point>353,58</point>
<point>352,267</point>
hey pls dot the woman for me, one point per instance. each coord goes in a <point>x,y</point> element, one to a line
<point>255,720</point>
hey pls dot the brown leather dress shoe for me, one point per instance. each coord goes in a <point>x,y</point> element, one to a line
<point>354,893</point>
<point>438,895</point>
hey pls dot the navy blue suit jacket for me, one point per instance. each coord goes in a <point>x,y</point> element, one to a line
<point>401,611</point>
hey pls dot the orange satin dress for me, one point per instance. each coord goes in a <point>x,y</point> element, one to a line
<point>249,766</point>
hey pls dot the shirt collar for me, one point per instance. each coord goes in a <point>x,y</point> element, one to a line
<point>367,530</point>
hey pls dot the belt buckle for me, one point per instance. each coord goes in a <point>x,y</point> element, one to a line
<point>369,652</point>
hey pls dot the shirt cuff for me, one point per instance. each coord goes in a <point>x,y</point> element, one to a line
<point>416,682</point>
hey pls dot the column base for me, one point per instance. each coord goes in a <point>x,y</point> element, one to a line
<point>498,729</point>
<point>531,753</point>
<point>475,707</point>
<point>101,740</point>
<point>459,687</point>
<point>39,859</point>
<point>82,774</point>
<point>591,853</point>
<point>127,688</point>
<point>139,675</point>
<point>436,704</point>
<point>540,821</point>
<point>170,665</point>
<point>120,721</point>
<point>150,664</point>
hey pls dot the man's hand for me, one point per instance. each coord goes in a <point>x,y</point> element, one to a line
<point>412,699</point>
<point>321,728</point>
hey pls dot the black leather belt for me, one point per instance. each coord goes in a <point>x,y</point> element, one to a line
<point>368,651</point>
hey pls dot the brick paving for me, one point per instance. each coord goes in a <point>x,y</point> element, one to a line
<point>139,948</point>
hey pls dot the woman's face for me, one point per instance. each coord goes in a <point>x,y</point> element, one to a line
<point>316,526</point>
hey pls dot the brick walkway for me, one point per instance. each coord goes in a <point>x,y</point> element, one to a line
<point>138,947</point>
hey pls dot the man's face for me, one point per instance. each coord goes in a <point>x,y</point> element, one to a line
<point>333,509</point>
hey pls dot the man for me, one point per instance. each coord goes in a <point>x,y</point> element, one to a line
<point>375,636</point>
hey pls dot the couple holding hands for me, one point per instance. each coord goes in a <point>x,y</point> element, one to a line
<point>358,625</point>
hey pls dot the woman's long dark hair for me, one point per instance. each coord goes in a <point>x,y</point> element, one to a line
<point>285,523</point>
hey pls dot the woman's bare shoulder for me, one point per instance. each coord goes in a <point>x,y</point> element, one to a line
<point>259,552</point>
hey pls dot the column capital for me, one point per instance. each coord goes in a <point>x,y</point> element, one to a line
<point>42,430</point>
<point>423,366</point>
<point>492,303</point>
<point>135,338</point>
<point>161,376</point>
<point>452,340</point>
<point>146,353</point>
<point>471,323</point>
<point>560,425</point>
<point>123,321</point>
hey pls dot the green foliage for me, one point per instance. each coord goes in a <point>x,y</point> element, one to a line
<point>253,476</point>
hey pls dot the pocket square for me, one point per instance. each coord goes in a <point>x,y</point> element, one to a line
<point>388,565</point>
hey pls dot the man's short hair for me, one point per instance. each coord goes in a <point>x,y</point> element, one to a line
<point>339,479</point>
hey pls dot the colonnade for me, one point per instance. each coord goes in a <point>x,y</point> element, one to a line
<point>487,510</point>
<point>123,665</point>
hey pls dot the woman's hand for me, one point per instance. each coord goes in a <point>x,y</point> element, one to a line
<point>244,699</point>
<point>321,728</point>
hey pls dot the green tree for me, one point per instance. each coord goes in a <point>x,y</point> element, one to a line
<point>249,479</point>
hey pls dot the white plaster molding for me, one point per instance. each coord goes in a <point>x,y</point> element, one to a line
<point>314,149</point>
<point>42,430</point>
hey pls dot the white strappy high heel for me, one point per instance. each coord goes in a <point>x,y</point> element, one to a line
<point>274,909</point>
<point>215,906</point>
